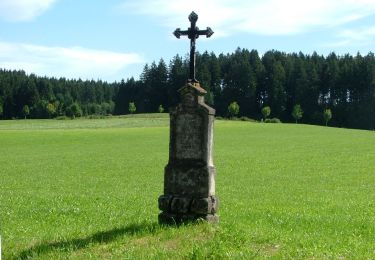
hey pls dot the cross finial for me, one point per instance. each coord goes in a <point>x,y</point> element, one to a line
<point>193,33</point>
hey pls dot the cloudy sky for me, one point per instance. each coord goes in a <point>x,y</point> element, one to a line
<point>113,39</point>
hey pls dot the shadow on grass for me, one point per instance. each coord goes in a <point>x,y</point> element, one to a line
<point>97,238</point>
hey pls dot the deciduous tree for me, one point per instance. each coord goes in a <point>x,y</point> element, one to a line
<point>233,109</point>
<point>266,111</point>
<point>74,110</point>
<point>51,110</point>
<point>25,111</point>
<point>327,115</point>
<point>297,112</point>
<point>132,108</point>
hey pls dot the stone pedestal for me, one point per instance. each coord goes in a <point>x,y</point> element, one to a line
<point>189,177</point>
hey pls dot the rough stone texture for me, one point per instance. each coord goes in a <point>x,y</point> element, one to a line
<point>186,204</point>
<point>189,176</point>
<point>176,219</point>
<point>205,205</point>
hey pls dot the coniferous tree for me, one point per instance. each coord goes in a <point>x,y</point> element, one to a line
<point>274,83</point>
<point>177,76</point>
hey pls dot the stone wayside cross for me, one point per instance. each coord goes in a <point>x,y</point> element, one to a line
<point>189,176</point>
<point>193,33</point>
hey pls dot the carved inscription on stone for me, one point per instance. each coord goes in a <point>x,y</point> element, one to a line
<point>189,136</point>
<point>189,100</point>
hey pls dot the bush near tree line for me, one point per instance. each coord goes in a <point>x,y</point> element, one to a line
<point>233,109</point>
<point>266,111</point>
<point>74,110</point>
<point>26,111</point>
<point>132,108</point>
<point>327,115</point>
<point>297,112</point>
<point>272,120</point>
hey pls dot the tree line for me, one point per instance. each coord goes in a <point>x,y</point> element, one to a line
<point>30,96</point>
<point>344,85</point>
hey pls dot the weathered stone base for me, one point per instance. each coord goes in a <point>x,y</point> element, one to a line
<point>187,205</point>
<point>177,219</point>
<point>177,209</point>
<point>189,179</point>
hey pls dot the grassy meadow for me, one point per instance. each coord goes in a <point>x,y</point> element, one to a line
<point>88,189</point>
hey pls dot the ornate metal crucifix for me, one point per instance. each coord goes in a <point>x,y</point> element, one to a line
<point>193,33</point>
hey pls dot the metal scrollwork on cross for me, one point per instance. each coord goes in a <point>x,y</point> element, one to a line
<point>193,33</point>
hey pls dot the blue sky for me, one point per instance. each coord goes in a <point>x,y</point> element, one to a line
<point>113,39</point>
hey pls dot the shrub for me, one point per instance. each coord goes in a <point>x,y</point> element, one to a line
<point>297,112</point>
<point>245,118</point>
<point>233,109</point>
<point>161,109</point>
<point>272,120</point>
<point>39,110</point>
<point>74,110</point>
<point>327,115</point>
<point>266,111</point>
<point>96,116</point>
<point>25,111</point>
<point>93,108</point>
<point>132,107</point>
<point>62,118</point>
<point>51,110</point>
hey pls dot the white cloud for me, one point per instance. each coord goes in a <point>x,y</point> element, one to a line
<point>364,36</point>
<point>268,17</point>
<point>73,62</point>
<point>23,10</point>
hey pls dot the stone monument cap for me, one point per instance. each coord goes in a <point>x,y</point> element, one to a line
<point>192,87</point>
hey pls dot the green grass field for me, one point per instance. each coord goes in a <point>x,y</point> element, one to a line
<point>88,189</point>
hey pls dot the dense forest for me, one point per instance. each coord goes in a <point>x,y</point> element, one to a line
<point>343,84</point>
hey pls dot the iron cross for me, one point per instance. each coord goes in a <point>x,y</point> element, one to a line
<point>193,33</point>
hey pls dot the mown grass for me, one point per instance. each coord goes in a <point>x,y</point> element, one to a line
<point>136,120</point>
<point>286,191</point>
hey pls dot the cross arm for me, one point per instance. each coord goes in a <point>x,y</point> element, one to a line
<point>208,32</point>
<point>178,33</point>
